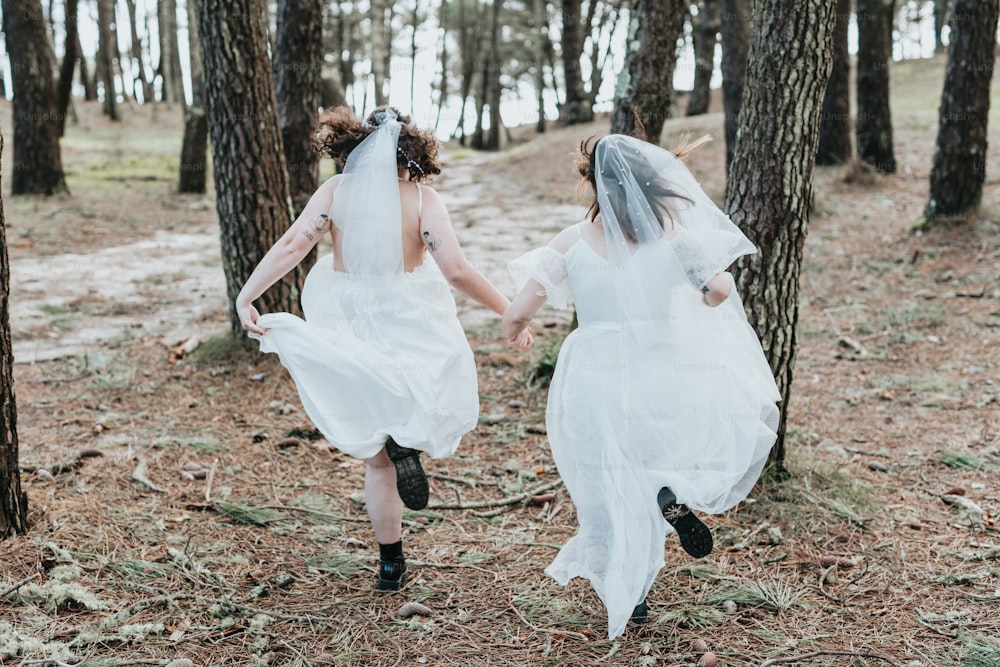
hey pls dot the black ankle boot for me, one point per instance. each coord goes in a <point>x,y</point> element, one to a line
<point>391,574</point>
<point>695,537</point>
<point>640,615</point>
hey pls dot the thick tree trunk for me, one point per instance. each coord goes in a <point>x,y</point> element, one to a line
<point>873,127</point>
<point>136,54</point>
<point>37,161</point>
<point>960,157</point>
<point>576,107</point>
<point>172,91</point>
<point>706,28</point>
<point>13,501</point>
<point>105,56</point>
<point>646,84</point>
<point>194,147</point>
<point>735,29</point>
<point>89,89</point>
<point>251,181</point>
<point>835,139</point>
<point>64,87</point>
<point>298,70</point>
<point>770,180</point>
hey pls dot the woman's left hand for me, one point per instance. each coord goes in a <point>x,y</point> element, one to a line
<point>248,318</point>
<point>523,340</point>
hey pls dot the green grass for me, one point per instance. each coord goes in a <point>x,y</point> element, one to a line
<point>980,651</point>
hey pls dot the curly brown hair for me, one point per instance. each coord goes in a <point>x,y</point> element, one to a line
<point>339,132</point>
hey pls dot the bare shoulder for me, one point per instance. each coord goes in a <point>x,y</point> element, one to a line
<point>565,239</point>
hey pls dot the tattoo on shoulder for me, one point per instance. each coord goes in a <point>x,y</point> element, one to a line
<point>319,225</point>
<point>433,242</point>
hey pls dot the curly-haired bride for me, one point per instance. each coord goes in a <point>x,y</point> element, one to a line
<point>380,361</point>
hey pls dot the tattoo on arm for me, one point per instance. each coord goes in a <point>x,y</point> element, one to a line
<point>319,225</point>
<point>433,242</point>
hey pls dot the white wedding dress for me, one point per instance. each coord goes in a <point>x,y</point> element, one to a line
<point>381,351</point>
<point>655,388</point>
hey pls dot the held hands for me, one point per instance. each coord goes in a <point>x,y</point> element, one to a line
<point>248,318</point>
<point>522,340</point>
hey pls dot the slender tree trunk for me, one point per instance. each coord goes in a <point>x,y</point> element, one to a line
<point>443,91</point>
<point>105,56</point>
<point>414,24</point>
<point>576,108</point>
<point>298,69</point>
<point>772,171</point>
<point>940,20</point>
<point>494,90</point>
<point>89,89</point>
<point>735,29</point>
<point>478,137</point>
<point>873,127</point>
<point>960,157</point>
<point>64,87</point>
<point>646,83</point>
<point>194,147</point>
<point>381,47</point>
<point>37,161</point>
<point>540,27</point>
<point>835,139</point>
<point>136,53</point>
<point>251,181</point>
<point>172,91</point>
<point>13,501</point>
<point>706,29</point>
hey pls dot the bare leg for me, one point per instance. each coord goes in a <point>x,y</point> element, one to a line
<point>385,509</point>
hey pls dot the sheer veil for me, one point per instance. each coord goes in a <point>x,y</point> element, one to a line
<point>366,203</point>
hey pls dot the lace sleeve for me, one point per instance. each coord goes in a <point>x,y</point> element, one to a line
<point>703,254</point>
<point>548,268</point>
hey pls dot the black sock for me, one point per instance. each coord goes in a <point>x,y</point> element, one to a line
<point>391,551</point>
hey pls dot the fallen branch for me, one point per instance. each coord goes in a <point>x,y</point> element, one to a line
<point>139,475</point>
<point>211,478</point>
<point>502,502</point>
<point>814,654</point>
<point>565,633</point>
<point>7,591</point>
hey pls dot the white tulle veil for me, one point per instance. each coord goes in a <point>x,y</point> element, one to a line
<point>366,203</point>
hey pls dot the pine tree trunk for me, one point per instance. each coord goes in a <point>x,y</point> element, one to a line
<point>172,91</point>
<point>960,157</point>
<point>64,87</point>
<point>251,181</point>
<point>835,140</point>
<point>136,53</point>
<point>646,83</point>
<point>770,179</point>
<point>194,147</point>
<point>89,89</point>
<point>735,29</point>
<point>706,28</point>
<point>576,107</point>
<point>13,501</point>
<point>540,27</point>
<point>493,76</point>
<point>443,59</point>
<point>873,127</point>
<point>381,47</point>
<point>298,70</point>
<point>105,56</point>
<point>940,20</point>
<point>37,161</point>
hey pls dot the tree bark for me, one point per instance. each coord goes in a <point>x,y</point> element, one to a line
<point>37,161</point>
<point>771,174</point>
<point>494,89</point>
<point>735,29</point>
<point>960,157</point>
<point>251,181</point>
<point>194,147</point>
<point>873,127</point>
<point>136,54</point>
<point>13,501</point>
<point>835,139</point>
<point>381,43</point>
<point>64,87</point>
<point>646,83</point>
<point>576,107</point>
<point>540,27</point>
<point>443,58</point>
<point>172,91</point>
<point>298,78</point>
<point>105,56</point>
<point>706,29</point>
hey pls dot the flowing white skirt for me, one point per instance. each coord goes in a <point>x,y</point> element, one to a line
<point>372,360</point>
<point>690,406</point>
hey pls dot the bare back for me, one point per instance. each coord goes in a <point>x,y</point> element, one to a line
<point>410,203</point>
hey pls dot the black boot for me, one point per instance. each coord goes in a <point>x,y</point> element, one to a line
<point>696,538</point>
<point>411,482</point>
<point>391,568</point>
<point>640,615</point>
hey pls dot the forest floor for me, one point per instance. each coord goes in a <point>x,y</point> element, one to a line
<point>183,507</point>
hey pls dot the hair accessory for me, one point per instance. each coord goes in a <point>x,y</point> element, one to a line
<point>410,162</point>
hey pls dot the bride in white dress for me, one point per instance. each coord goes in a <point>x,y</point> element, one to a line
<point>380,361</point>
<point>662,401</point>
